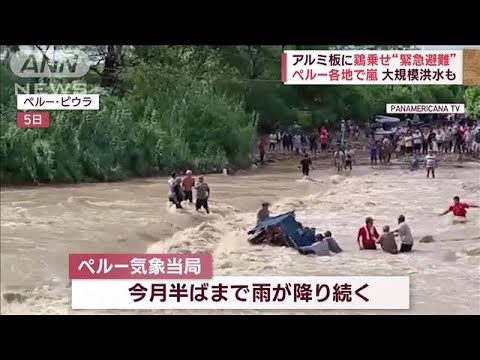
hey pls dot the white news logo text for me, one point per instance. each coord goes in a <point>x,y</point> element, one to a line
<point>64,64</point>
<point>57,88</point>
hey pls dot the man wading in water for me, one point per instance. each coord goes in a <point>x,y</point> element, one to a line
<point>458,208</point>
<point>349,158</point>
<point>203,193</point>
<point>430,163</point>
<point>187,184</point>
<point>339,157</point>
<point>174,193</point>
<point>405,234</point>
<point>306,164</point>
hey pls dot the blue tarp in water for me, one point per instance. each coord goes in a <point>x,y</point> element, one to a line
<point>296,236</point>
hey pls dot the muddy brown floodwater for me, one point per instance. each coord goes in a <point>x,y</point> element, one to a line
<point>41,226</point>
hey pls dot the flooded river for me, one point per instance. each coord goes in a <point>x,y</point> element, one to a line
<point>41,226</point>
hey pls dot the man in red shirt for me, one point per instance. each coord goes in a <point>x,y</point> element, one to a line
<point>323,142</point>
<point>188,183</point>
<point>458,208</point>
<point>367,236</point>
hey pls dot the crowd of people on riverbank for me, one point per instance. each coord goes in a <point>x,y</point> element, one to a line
<point>448,136</point>
<point>298,141</point>
<point>454,138</point>
<point>422,144</point>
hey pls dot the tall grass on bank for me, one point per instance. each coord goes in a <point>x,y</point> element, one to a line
<point>194,127</point>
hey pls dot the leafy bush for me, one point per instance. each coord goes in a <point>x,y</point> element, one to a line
<point>188,125</point>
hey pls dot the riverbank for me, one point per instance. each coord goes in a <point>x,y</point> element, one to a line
<point>290,159</point>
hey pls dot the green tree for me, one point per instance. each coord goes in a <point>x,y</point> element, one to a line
<point>171,107</point>
<point>472,101</point>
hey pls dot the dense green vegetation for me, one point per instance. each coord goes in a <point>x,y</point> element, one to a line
<point>167,108</point>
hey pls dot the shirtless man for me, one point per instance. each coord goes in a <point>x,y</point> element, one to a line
<point>350,158</point>
<point>306,165</point>
<point>385,150</point>
<point>339,156</point>
<point>188,183</point>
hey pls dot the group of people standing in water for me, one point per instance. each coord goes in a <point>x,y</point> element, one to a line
<point>181,189</point>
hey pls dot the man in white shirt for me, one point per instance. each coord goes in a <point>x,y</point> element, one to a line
<point>430,164</point>
<point>417,141</point>
<point>273,142</point>
<point>405,234</point>
<point>297,143</point>
<point>408,143</point>
<point>468,135</point>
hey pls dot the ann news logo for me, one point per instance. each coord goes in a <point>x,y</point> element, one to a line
<point>72,63</point>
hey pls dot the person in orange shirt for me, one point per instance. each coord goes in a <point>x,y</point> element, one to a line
<point>187,184</point>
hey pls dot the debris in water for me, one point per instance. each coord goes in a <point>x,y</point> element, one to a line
<point>450,256</point>
<point>336,179</point>
<point>473,252</point>
<point>11,297</point>
<point>427,239</point>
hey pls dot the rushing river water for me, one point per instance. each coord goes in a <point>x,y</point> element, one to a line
<point>41,226</point>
